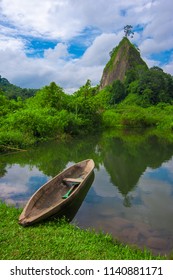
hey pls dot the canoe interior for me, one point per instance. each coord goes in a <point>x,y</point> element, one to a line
<point>69,211</point>
<point>51,194</point>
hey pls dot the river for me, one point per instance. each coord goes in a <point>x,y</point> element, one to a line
<point>131,196</point>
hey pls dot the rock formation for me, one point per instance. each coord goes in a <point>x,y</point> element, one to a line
<point>124,57</point>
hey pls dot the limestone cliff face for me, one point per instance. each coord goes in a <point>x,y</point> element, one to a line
<point>124,57</point>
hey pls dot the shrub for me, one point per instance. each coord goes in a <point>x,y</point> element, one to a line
<point>14,138</point>
<point>111,118</point>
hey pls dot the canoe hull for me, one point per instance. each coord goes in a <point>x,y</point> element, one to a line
<point>71,208</point>
<point>48,201</point>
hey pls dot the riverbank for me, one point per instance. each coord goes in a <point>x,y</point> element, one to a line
<point>59,240</point>
<point>158,119</point>
<point>61,116</point>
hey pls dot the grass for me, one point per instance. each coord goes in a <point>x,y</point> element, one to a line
<point>128,116</point>
<point>59,240</point>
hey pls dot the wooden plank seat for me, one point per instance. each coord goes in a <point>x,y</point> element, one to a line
<point>72,183</point>
<point>73,180</point>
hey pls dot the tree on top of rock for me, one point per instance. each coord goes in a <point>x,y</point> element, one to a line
<point>128,31</point>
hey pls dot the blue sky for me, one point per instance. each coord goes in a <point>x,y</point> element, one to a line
<point>68,41</point>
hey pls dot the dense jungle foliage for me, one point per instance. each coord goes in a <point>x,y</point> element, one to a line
<point>144,99</point>
<point>12,91</point>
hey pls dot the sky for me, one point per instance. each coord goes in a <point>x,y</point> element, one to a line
<point>68,41</point>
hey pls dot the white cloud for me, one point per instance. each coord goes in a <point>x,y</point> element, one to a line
<point>157,35</point>
<point>168,68</point>
<point>68,18</point>
<point>150,62</point>
<point>95,26</point>
<point>57,65</point>
<point>98,52</point>
<point>60,51</point>
<point>11,43</point>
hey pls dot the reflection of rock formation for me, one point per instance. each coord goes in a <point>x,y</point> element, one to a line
<point>123,165</point>
<point>126,163</point>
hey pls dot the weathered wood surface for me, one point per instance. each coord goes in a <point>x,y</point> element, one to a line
<point>52,196</point>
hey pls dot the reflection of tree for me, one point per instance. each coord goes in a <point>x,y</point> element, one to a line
<point>2,168</point>
<point>126,162</point>
<point>127,201</point>
<point>52,157</point>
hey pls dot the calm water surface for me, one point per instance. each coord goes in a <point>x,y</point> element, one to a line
<point>131,196</point>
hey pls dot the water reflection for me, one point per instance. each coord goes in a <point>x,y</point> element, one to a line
<point>132,193</point>
<point>125,163</point>
<point>19,183</point>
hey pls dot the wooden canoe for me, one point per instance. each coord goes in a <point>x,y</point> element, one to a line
<point>58,193</point>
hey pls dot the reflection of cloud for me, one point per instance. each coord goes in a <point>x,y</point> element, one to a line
<point>17,184</point>
<point>169,164</point>
<point>148,222</point>
<point>102,185</point>
<point>151,202</point>
<point>163,174</point>
<point>157,203</point>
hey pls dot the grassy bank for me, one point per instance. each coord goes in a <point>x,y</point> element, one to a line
<point>59,240</point>
<point>159,119</point>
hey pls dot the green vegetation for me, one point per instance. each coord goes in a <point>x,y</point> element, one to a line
<point>142,99</point>
<point>59,240</point>
<point>137,117</point>
<point>134,59</point>
<point>49,114</point>
<point>13,92</point>
<point>128,31</point>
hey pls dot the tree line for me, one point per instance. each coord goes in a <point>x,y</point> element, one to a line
<point>51,113</point>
